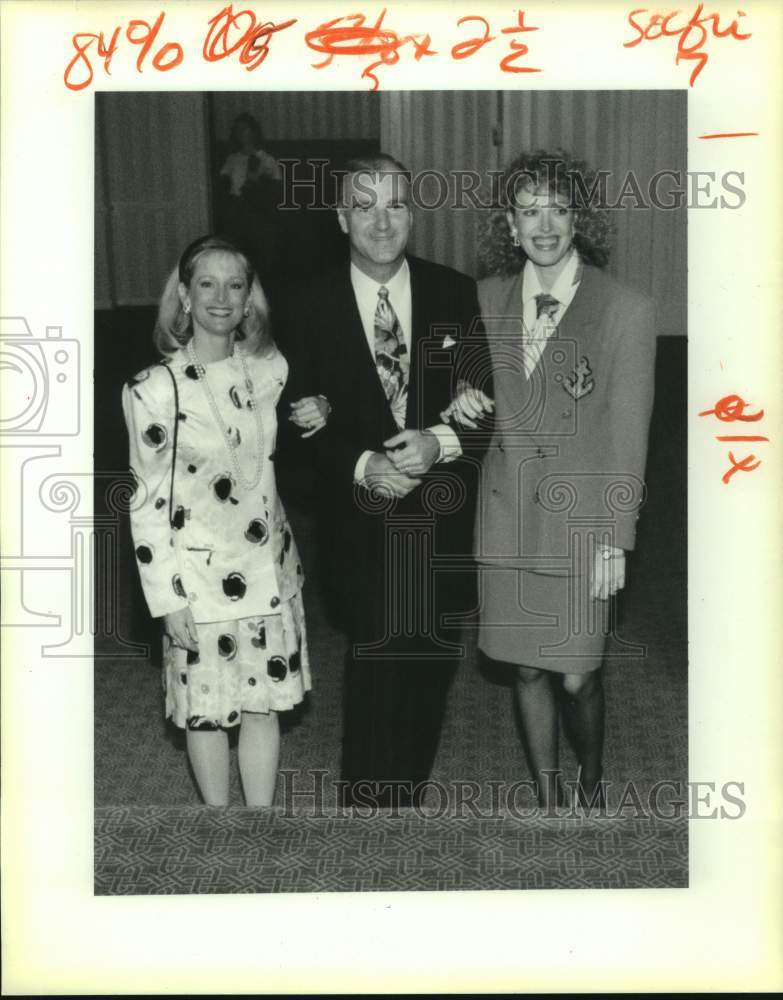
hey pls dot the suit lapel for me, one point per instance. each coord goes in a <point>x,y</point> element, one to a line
<point>419,315</point>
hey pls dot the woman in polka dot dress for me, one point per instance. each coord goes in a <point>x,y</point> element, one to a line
<point>215,552</point>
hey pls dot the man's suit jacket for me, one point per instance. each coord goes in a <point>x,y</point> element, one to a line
<point>328,354</point>
<point>566,460</point>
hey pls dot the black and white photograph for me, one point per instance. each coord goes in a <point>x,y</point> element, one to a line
<point>399,599</point>
<point>389,435</point>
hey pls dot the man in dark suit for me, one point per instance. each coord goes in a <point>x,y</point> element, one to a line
<point>387,340</point>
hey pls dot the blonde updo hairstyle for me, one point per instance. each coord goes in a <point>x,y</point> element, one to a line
<point>174,327</point>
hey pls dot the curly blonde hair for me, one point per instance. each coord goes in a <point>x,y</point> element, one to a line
<point>174,327</point>
<point>559,173</point>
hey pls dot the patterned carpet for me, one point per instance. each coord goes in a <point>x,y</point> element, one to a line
<point>152,836</point>
<point>153,850</point>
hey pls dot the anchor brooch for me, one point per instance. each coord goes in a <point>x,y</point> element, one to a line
<point>580,382</point>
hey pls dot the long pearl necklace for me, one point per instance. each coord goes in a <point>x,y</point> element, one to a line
<point>248,484</point>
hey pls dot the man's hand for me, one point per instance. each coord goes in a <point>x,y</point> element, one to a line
<point>181,629</point>
<point>468,406</point>
<point>608,572</point>
<point>382,476</point>
<point>414,452</point>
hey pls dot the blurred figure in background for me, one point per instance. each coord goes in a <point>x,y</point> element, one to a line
<point>249,190</point>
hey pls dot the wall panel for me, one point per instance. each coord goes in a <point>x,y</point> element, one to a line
<point>157,190</point>
<point>295,115</point>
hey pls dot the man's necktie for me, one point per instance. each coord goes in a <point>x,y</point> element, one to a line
<point>391,356</point>
<point>533,347</point>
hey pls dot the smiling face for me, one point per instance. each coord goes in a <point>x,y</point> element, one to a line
<point>216,296</point>
<point>544,225</point>
<point>376,215</point>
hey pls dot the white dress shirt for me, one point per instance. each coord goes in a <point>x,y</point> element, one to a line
<point>538,330</point>
<point>235,168</point>
<point>365,290</point>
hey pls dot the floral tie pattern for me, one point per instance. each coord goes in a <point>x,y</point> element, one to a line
<point>391,356</point>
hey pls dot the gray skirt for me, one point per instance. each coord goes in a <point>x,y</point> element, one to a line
<point>537,620</point>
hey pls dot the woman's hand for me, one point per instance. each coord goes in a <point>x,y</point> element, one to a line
<point>310,413</point>
<point>181,629</point>
<point>468,406</point>
<point>608,572</point>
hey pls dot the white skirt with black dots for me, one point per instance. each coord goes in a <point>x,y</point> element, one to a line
<point>256,664</point>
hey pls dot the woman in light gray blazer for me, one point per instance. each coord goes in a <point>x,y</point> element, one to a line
<point>573,363</point>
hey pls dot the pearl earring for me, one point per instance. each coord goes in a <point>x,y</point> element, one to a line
<point>515,239</point>
<point>186,308</point>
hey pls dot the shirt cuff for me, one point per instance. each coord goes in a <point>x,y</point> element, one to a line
<point>450,448</point>
<point>361,465</point>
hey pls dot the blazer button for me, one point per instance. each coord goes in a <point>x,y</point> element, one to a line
<point>274,602</point>
<point>566,414</point>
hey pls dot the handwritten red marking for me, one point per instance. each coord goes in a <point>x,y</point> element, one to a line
<point>82,42</point>
<point>470,47</point>
<point>519,49</point>
<point>692,35</point>
<point>253,39</point>
<point>731,408</point>
<point>727,135</point>
<point>137,32</point>
<point>742,466</point>
<point>740,437</point>
<point>338,38</point>
<point>149,33</point>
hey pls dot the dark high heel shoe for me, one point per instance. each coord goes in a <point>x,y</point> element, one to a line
<point>596,800</point>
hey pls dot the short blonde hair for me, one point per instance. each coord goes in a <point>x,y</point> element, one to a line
<point>173,326</point>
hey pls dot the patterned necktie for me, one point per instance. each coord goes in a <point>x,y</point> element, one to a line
<point>533,346</point>
<point>391,356</point>
<point>547,304</point>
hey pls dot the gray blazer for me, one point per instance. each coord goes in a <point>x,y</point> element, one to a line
<point>567,456</point>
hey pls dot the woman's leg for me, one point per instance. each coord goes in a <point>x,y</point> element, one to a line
<point>584,719</point>
<point>259,755</point>
<point>538,709</point>
<point>208,754</point>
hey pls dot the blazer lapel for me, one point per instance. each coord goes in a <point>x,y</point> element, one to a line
<point>582,316</point>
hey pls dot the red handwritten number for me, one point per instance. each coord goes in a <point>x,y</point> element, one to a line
<point>82,42</point>
<point>470,47</point>
<point>744,465</point>
<point>172,50</point>
<point>519,49</point>
<point>731,408</point>
<point>253,40</point>
<point>337,38</point>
